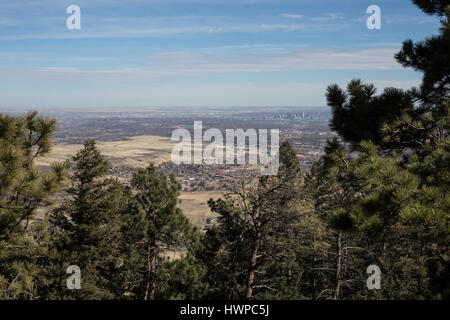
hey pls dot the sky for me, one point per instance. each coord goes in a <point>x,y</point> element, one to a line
<point>139,53</point>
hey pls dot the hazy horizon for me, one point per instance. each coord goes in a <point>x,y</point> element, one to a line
<point>149,108</point>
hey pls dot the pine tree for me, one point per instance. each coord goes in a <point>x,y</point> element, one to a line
<point>86,228</point>
<point>254,219</point>
<point>397,120</point>
<point>358,114</point>
<point>24,190</point>
<point>333,190</point>
<point>22,264</point>
<point>184,279</point>
<point>397,176</point>
<point>430,57</point>
<point>161,226</point>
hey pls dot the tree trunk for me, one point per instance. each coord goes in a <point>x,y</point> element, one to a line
<point>313,293</point>
<point>313,272</point>
<point>151,272</point>
<point>337,292</point>
<point>252,269</point>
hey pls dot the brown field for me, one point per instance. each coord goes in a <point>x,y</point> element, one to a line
<point>195,205</point>
<point>136,151</point>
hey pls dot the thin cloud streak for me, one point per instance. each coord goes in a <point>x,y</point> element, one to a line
<point>292,16</point>
<point>125,32</point>
<point>190,63</point>
<point>300,59</point>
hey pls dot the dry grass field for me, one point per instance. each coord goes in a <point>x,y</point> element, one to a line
<point>136,151</point>
<point>195,205</point>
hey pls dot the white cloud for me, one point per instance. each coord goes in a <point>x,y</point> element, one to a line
<point>299,59</point>
<point>292,16</point>
<point>143,32</point>
<point>159,79</point>
<point>329,17</point>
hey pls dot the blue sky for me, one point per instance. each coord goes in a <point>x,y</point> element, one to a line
<point>199,52</point>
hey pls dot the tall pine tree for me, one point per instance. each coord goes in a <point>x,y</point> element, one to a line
<point>86,228</point>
